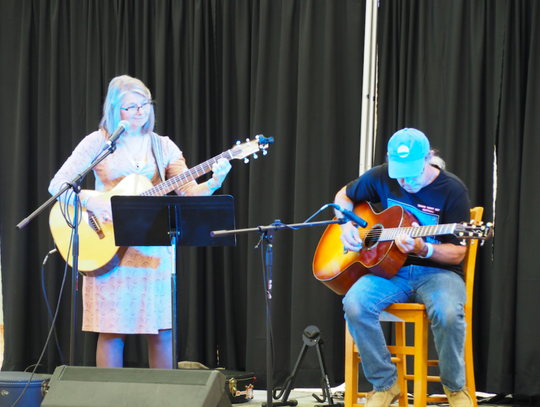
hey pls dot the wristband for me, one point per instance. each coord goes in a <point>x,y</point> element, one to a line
<point>210,187</point>
<point>429,251</point>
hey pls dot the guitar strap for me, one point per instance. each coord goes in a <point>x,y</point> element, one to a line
<point>158,155</point>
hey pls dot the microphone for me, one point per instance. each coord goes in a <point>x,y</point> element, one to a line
<point>122,127</point>
<point>351,216</point>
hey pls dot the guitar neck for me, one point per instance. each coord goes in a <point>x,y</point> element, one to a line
<point>187,176</point>
<point>422,231</point>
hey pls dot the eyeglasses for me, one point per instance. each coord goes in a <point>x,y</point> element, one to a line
<point>132,109</point>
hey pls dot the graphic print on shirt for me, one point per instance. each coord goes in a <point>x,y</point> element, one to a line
<point>425,219</point>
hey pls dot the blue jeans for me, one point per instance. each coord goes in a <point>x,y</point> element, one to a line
<point>441,291</point>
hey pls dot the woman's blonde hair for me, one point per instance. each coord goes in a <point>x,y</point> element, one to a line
<point>118,88</point>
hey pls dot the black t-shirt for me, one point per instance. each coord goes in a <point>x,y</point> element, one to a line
<point>445,200</point>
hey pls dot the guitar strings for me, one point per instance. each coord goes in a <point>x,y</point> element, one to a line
<point>187,176</point>
<point>389,234</point>
<point>447,229</point>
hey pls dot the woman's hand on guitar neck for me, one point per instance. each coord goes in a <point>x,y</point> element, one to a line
<point>100,207</point>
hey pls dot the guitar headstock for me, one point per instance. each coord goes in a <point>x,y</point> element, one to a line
<point>478,231</point>
<point>243,150</point>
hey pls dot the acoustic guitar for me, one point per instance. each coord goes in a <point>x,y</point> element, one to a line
<point>339,269</point>
<point>96,240</point>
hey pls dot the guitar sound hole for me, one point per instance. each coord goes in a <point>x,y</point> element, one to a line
<point>372,237</point>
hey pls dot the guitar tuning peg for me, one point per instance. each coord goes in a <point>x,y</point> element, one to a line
<point>264,152</point>
<point>247,139</point>
<point>246,160</point>
<point>237,142</point>
<point>255,156</point>
<point>463,242</point>
<point>482,242</point>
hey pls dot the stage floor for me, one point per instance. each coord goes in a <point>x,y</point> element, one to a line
<point>304,397</point>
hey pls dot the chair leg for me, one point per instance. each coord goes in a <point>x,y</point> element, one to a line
<point>469,364</point>
<point>401,363</point>
<point>351,371</point>
<point>420,360</point>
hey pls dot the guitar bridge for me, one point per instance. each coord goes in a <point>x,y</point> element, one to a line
<point>93,222</point>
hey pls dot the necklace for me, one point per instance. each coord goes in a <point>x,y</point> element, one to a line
<point>138,163</point>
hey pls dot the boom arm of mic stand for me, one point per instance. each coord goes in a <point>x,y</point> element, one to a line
<point>279,226</point>
<point>74,183</point>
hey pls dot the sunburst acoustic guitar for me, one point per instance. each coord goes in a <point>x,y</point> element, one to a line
<point>339,269</point>
<point>97,246</point>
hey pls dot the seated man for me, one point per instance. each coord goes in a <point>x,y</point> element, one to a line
<point>415,179</point>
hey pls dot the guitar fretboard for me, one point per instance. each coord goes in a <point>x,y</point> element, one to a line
<point>181,179</point>
<point>390,234</point>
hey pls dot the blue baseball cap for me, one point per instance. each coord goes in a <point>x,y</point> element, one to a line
<point>407,150</point>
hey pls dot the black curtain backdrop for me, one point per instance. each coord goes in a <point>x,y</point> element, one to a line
<point>464,72</point>
<point>514,332</point>
<point>467,73</point>
<point>219,72</point>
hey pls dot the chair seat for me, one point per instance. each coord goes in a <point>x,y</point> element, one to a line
<point>406,307</point>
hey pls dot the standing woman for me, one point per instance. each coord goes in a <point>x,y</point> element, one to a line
<point>131,294</point>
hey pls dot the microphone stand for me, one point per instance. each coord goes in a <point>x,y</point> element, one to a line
<point>267,235</point>
<point>75,185</point>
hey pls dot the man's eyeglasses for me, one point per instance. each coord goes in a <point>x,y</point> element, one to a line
<point>132,109</point>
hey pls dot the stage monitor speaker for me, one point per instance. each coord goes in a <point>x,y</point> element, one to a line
<point>103,387</point>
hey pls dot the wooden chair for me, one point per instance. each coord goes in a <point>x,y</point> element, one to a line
<point>416,314</point>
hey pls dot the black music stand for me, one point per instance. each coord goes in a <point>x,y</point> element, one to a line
<point>172,221</point>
